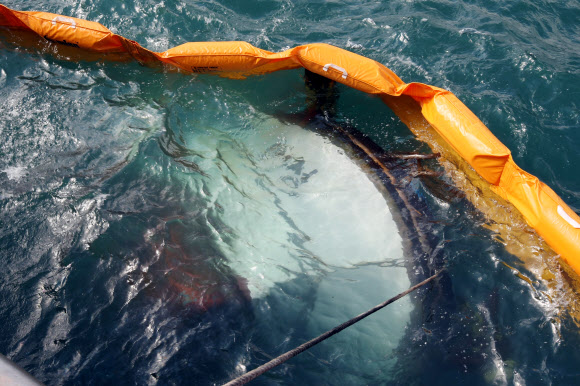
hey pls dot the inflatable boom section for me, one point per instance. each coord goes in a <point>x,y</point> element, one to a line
<point>463,131</point>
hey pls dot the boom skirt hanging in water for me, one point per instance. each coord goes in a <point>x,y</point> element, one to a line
<point>457,125</point>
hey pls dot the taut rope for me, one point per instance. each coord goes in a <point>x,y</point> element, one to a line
<point>247,377</point>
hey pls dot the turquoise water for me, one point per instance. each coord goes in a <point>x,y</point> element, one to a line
<point>127,193</point>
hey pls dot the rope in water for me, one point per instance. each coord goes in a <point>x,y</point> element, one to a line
<point>247,377</point>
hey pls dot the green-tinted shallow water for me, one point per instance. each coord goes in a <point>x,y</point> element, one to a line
<point>126,192</point>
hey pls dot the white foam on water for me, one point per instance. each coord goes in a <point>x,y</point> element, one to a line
<point>15,173</point>
<point>370,21</point>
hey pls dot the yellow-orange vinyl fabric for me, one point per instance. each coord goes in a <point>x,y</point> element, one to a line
<point>465,133</point>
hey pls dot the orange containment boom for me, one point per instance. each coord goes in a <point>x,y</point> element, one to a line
<point>463,131</point>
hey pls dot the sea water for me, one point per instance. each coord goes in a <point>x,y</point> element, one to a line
<point>170,229</point>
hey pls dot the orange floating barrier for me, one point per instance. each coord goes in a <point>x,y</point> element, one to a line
<point>454,122</point>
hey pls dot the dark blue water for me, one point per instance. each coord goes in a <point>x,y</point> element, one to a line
<point>169,229</point>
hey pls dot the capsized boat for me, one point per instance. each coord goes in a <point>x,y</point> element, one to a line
<point>466,136</point>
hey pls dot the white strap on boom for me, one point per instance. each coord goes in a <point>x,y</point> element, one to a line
<point>63,19</point>
<point>330,65</point>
